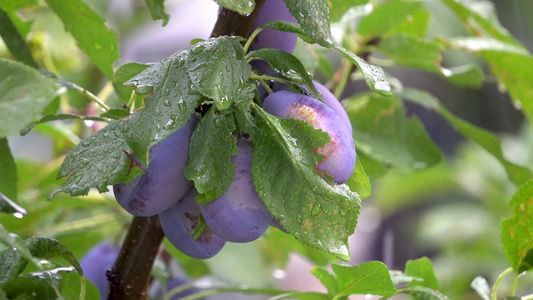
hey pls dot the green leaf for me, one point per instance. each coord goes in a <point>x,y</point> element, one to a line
<point>484,138</point>
<point>417,23</point>
<point>115,113</point>
<point>469,75</point>
<point>399,277</point>
<point>374,76</point>
<point>217,69</point>
<point>97,162</point>
<point>210,150</point>
<point>382,132</point>
<point>49,118</point>
<point>167,110</point>
<point>367,278</point>
<point>157,10</point>
<point>51,277</point>
<point>386,17</point>
<point>317,213</point>
<point>412,51</point>
<point>287,26</point>
<point>283,62</point>
<point>46,248</point>
<point>423,293</point>
<point>12,8</point>
<point>422,268</point>
<point>128,71</point>
<point>70,287</point>
<point>18,258</point>
<point>15,41</point>
<point>337,8</point>
<point>12,263</point>
<point>8,173</point>
<point>328,280</point>
<point>478,23</point>
<point>244,7</point>
<point>359,182</point>
<point>517,231</point>
<point>313,17</point>
<point>25,94</point>
<point>90,31</point>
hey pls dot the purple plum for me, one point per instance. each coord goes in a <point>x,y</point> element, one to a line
<point>239,215</point>
<point>96,262</point>
<point>179,223</point>
<point>164,181</point>
<point>339,153</point>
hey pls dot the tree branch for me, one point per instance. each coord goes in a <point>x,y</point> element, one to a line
<point>130,276</point>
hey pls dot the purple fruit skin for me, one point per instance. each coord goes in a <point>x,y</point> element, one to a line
<point>96,263</point>
<point>239,215</point>
<point>339,153</point>
<point>164,182</point>
<point>179,223</point>
<point>272,10</point>
<point>334,103</point>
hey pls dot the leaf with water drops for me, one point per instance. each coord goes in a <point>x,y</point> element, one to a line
<point>217,69</point>
<point>25,94</point>
<point>210,151</point>
<point>97,162</point>
<point>90,31</point>
<point>318,213</point>
<point>167,110</point>
<point>244,7</point>
<point>517,231</point>
<point>313,17</point>
<point>374,76</point>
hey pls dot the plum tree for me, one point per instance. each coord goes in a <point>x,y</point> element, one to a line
<point>96,262</point>
<point>239,215</point>
<point>164,181</point>
<point>339,153</point>
<point>179,223</point>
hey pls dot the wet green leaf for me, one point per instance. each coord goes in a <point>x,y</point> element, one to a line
<point>244,7</point>
<point>359,182</point>
<point>313,17</point>
<point>422,268</point>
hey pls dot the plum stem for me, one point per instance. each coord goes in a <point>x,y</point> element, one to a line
<point>129,277</point>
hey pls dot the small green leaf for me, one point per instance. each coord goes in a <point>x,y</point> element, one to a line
<point>244,7</point>
<point>210,150</point>
<point>374,76</point>
<point>14,41</point>
<point>386,17</point>
<point>412,51</point>
<point>90,31</point>
<point>283,62</point>
<point>167,110</point>
<point>359,182</point>
<point>8,174</point>
<point>484,138</point>
<point>313,17</point>
<point>317,213</point>
<point>517,231</point>
<point>12,263</point>
<point>382,132</point>
<point>287,26</point>
<point>339,7</point>
<point>367,278</point>
<point>128,71</point>
<point>25,94</point>
<point>417,23</point>
<point>157,10</point>
<point>422,268</point>
<point>217,69</point>
<point>423,293</point>
<point>49,118</point>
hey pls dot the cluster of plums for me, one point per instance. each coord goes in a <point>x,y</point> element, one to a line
<point>239,215</point>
